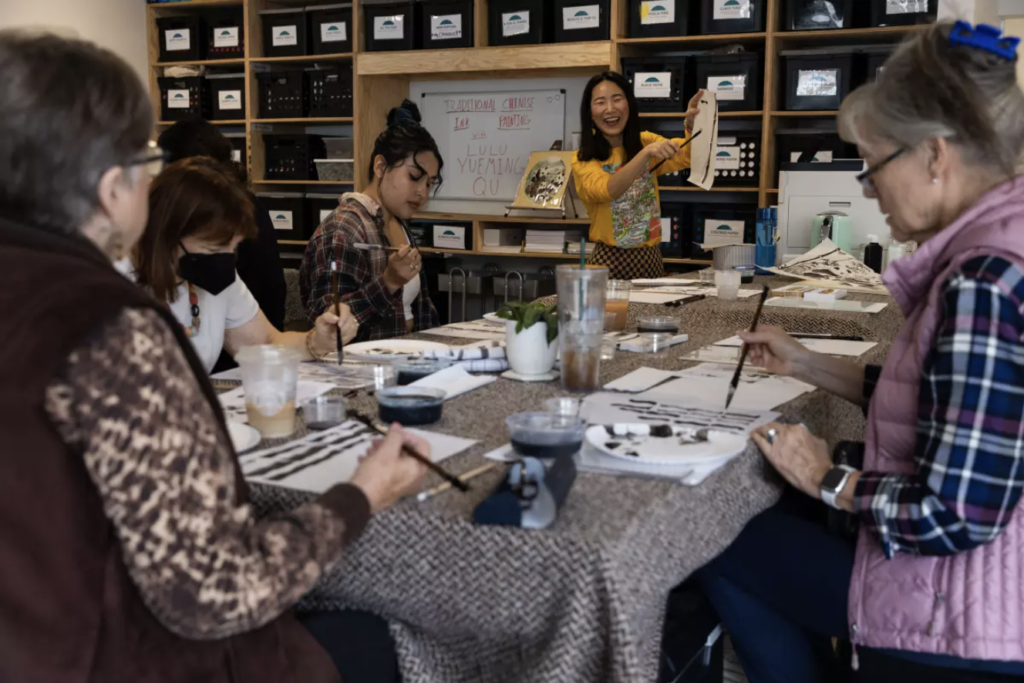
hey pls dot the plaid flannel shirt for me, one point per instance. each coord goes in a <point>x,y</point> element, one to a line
<point>970,434</point>
<point>381,313</point>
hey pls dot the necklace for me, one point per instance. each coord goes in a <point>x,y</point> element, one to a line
<point>193,300</point>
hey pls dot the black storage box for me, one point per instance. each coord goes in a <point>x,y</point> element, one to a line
<point>735,78</point>
<point>519,22</point>
<point>390,25</point>
<point>738,158</point>
<point>876,57</point>
<point>659,83</point>
<point>184,98</point>
<point>238,151</point>
<point>446,23</point>
<point>227,96</point>
<point>818,80</point>
<point>182,39</point>
<point>661,18</point>
<point>285,32</point>
<point>318,208</point>
<point>809,145</point>
<point>673,229</point>
<point>226,35</point>
<point>330,92</point>
<point>816,15</point>
<point>288,214</point>
<point>707,217</point>
<point>732,16</point>
<point>903,12</point>
<point>581,20</point>
<point>284,94</point>
<point>330,29</point>
<point>290,157</point>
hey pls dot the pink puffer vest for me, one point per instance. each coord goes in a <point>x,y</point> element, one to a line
<point>969,605</point>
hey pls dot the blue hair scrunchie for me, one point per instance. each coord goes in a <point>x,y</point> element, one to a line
<point>984,37</point>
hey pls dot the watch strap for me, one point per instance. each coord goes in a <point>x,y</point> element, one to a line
<point>829,496</point>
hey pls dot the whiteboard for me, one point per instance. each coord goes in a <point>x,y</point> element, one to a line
<point>486,138</point>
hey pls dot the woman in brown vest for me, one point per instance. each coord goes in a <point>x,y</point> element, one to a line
<point>129,552</point>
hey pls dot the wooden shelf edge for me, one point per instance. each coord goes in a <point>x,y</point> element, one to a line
<point>303,182</point>
<point>701,189</point>
<point>681,115</point>
<point>235,122</point>
<point>850,32</point>
<point>337,119</point>
<point>485,59</point>
<point>337,57</point>
<point>201,62</point>
<point>709,38</point>
<point>195,3</point>
<point>793,114</point>
<point>484,218</point>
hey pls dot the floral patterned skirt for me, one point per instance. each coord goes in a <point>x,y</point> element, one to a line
<point>628,264</point>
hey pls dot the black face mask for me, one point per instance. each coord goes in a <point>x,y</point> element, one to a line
<point>212,272</point>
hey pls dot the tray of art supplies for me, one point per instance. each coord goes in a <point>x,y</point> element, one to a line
<point>390,349</point>
<point>664,444</point>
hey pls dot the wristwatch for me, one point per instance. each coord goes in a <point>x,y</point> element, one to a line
<point>833,484</point>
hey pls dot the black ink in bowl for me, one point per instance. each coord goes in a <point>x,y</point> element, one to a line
<point>546,435</point>
<point>648,325</point>
<point>410,406</point>
<point>415,369</point>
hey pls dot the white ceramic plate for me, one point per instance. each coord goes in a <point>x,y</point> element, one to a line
<point>389,349</point>
<point>673,450</point>
<point>243,436</point>
<point>493,318</point>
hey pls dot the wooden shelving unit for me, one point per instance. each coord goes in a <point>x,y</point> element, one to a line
<point>382,80</point>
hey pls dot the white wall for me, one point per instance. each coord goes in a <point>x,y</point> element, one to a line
<point>118,25</point>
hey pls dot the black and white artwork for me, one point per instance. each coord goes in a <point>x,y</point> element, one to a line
<point>605,408</point>
<point>829,264</point>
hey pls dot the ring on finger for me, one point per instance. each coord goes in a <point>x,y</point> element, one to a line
<point>772,433</point>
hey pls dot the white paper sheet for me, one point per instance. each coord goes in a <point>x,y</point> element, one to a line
<point>346,377</point>
<point>829,347</point>
<point>709,382</point>
<point>649,297</point>
<point>233,401</point>
<point>474,329</point>
<point>639,380</point>
<point>606,408</point>
<point>842,305</point>
<point>454,381</point>
<point>704,148</point>
<point>714,354</point>
<point>322,459</point>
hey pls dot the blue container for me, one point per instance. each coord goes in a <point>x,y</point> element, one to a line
<point>764,257</point>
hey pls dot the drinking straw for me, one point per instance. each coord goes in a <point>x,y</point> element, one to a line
<point>583,268</point>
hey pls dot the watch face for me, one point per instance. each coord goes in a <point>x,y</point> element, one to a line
<point>834,479</point>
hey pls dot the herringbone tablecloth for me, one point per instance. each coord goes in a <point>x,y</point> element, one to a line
<point>582,601</point>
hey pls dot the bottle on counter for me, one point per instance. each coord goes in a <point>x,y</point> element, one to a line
<point>895,252</point>
<point>873,254</point>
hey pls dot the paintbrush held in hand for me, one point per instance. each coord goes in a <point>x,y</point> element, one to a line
<point>743,354</point>
<point>335,278</point>
<point>406,450</point>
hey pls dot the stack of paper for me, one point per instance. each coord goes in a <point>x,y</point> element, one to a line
<point>573,247</point>
<point>544,242</point>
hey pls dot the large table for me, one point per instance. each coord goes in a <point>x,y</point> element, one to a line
<point>584,599</point>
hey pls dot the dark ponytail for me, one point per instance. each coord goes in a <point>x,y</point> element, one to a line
<point>404,138</point>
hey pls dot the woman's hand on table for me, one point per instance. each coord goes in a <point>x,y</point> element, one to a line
<point>403,266</point>
<point>800,457</point>
<point>385,475</point>
<point>324,338</point>
<point>692,109</point>
<point>775,351</point>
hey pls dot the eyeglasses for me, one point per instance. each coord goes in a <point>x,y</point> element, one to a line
<point>154,160</point>
<point>865,178</point>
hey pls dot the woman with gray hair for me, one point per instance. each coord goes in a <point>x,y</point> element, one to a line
<point>933,586</point>
<point>129,550</point>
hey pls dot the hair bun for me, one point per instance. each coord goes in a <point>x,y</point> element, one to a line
<point>408,112</point>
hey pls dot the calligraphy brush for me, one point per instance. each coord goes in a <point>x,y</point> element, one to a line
<point>431,465</point>
<point>734,384</point>
<point>692,138</point>
<point>335,277</point>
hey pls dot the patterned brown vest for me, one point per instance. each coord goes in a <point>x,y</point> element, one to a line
<point>68,608</point>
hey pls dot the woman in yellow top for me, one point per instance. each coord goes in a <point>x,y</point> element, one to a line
<point>615,174</point>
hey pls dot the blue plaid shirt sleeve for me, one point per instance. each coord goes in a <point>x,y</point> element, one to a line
<point>970,441</point>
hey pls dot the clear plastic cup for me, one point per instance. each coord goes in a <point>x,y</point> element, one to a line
<point>568,406</point>
<point>728,284</point>
<point>270,377</point>
<point>581,310</point>
<point>617,304</point>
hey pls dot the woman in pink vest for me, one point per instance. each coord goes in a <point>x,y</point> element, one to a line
<point>933,587</point>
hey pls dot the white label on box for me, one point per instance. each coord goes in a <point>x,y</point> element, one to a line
<point>334,32</point>
<point>229,99</point>
<point>177,99</point>
<point>449,237</point>
<point>445,26</point>
<point>515,23</point>
<point>821,157</point>
<point>906,6</point>
<point>325,214</point>
<point>581,16</point>
<point>282,220</point>
<point>728,87</point>
<point>718,232</point>
<point>236,156</point>
<point>733,9</point>
<point>657,12</point>
<point>226,36</point>
<point>389,28</point>
<point>180,39</point>
<point>285,35</point>
<point>727,158</point>
<point>817,83</point>
<point>653,84</point>
<point>666,230</point>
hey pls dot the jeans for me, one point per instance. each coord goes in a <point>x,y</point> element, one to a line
<point>781,591</point>
<point>359,643</point>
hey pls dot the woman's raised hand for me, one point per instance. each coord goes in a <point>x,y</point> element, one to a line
<point>692,109</point>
